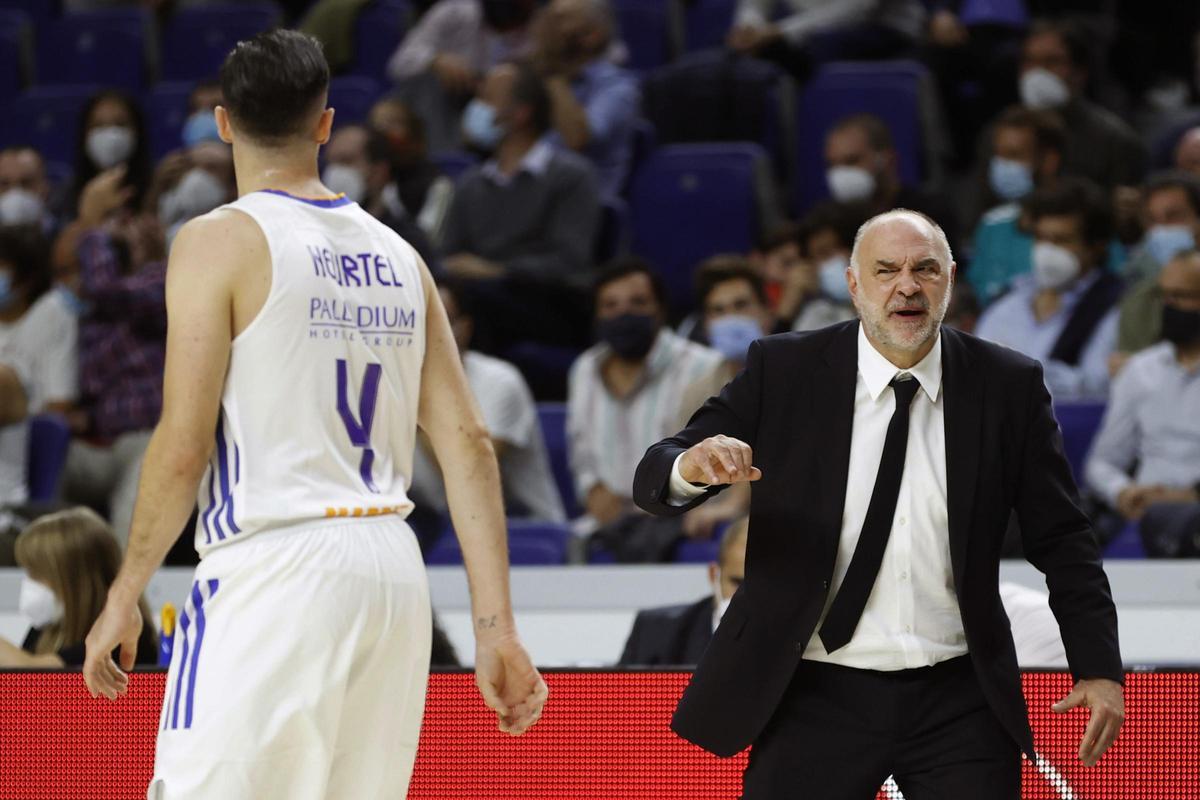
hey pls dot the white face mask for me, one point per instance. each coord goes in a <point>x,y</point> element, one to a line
<point>721,604</point>
<point>1041,88</point>
<point>20,207</point>
<point>848,184</point>
<point>1053,266</point>
<point>198,192</point>
<point>342,179</point>
<point>109,145</point>
<point>38,603</point>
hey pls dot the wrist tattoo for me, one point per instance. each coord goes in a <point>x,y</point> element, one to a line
<point>484,623</point>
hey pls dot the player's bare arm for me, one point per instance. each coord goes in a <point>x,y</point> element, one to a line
<point>454,424</point>
<point>207,253</point>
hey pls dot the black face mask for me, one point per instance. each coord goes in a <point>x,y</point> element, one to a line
<point>1180,328</point>
<point>630,335</point>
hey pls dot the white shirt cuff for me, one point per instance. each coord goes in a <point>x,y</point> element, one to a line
<point>679,491</point>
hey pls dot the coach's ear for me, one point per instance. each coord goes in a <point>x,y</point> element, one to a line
<point>324,127</point>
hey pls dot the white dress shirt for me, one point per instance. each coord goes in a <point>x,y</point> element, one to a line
<point>912,617</point>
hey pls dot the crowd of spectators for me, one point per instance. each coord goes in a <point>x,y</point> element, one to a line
<point>1073,218</point>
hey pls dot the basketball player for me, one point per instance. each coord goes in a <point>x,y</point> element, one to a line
<point>306,344</point>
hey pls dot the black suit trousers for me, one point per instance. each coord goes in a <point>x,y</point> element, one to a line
<point>838,733</point>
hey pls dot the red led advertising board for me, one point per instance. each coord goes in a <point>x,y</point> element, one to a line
<point>603,736</point>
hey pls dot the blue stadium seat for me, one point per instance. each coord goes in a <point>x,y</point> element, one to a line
<point>646,29</point>
<point>166,112</point>
<point>529,543</point>
<point>351,97</point>
<point>380,26</point>
<point>645,138</point>
<point>553,420</point>
<point>612,239</point>
<point>706,23</point>
<point>1079,423</point>
<point>106,47</point>
<point>195,40</point>
<point>888,89</point>
<point>15,32</point>
<point>692,201</point>
<point>1127,544</point>
<point>47,116</point>
<point>453,163</point>
<point>545,366</point>
<point>49,438</point>
<point>697,551</point>
<point>39,12</point>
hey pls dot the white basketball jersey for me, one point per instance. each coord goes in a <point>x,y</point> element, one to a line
<point>319,411</point>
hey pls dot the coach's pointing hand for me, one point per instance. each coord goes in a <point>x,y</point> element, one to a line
<point>719,460</point>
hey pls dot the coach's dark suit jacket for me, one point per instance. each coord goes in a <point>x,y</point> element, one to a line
<point>794,405</point>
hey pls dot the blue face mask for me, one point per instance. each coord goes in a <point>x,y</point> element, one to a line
<point>1009,179</point>
<point>75,304</point>
<point>200,127</point>
<point>7,295</point>
<point>732,334</point>
<point>832,274</point>
<point>1164,242</point>
<point>480,126</point>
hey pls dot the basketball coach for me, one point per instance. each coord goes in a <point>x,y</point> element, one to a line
<point>888,455</point>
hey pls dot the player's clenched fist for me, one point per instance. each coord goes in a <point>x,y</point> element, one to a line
<point>719,460</point>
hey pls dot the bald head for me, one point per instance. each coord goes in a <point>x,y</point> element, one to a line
<point>902,221</point>
<point>1187,152</point>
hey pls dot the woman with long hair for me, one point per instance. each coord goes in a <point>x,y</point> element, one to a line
<point>70,559</point>
<point>112,133</point>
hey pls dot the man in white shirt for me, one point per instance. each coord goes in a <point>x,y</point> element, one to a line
<point>887,457</point>
<point>512,422</point>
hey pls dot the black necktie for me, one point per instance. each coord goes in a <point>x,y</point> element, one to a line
<point>852,596</point>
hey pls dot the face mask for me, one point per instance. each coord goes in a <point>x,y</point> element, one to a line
<point>74,303</point>
<point>7,295</point>
<point>832,274</point>
<point>342,179</point>
<point>109,146</point>
<point>1180,328</point>
<point>197,192</point>
<point>1053,266</point>
<point>848,184</point>
<point>200,127</point>
<point>732,334</point>
<point>20,207</point>
<point>1164,242</point>
<point>1010,179</point>
<point>721,603</point>
<point>38,603</point>
<point>480,126</point>
<point>1041,88</point>
<point>630,335</point>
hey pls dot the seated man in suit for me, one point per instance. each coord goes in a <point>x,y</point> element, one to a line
<point>677,635</point>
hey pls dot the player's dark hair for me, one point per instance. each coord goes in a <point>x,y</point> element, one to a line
<point>273,83</point>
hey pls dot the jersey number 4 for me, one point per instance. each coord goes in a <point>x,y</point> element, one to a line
<point>360,428</point>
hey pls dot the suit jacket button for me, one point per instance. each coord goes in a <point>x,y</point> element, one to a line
<point>825,584</point>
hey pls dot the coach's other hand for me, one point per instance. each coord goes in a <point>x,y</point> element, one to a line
<point>1107,703</point>
<point>510,684</point>
<point>719,460</point>
<point>118,625</point>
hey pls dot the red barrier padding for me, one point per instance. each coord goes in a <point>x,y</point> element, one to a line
<point>603,735</point>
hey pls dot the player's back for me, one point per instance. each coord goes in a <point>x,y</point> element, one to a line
<point>319,410</point>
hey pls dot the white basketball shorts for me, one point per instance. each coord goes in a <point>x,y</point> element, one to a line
<point>299,669</point>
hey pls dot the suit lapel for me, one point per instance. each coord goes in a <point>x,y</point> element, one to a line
<point>963,387</point>
<point>833,416</point>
